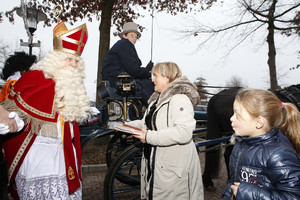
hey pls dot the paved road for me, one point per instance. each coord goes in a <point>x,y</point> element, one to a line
<point>93,179</point>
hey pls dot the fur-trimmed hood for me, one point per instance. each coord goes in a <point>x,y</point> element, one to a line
<point>180,85</point>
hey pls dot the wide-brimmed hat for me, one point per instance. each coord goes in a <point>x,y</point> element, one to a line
<point>130,27</point>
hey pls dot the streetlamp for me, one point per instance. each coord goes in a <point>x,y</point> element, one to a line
<point>31,17</point>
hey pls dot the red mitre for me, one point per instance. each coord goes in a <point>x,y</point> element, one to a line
<point>34,94</point>
<point>70,41</point>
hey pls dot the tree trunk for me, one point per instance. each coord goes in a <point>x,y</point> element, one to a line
<point>272,50</point>
<point>104,29</point>
<point>272,60</point>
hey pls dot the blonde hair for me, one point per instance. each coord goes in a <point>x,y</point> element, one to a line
<point>70,95</point>
<point>284,116</point>
<point>167,69</point>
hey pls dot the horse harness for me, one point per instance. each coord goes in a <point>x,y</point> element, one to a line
<point>289,93</point>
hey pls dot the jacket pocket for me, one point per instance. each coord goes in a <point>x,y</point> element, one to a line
<point>170,166</point>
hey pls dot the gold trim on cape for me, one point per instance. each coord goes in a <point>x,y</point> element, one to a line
<point>47,129</point>
<point>18,156</point>
<point>32,109</point>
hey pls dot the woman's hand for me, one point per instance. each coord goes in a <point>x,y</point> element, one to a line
<point>141,136</point>
<point>235,187</point>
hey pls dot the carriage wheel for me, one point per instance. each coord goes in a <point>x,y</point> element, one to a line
<point>122,180</point>
<point>117,144</point>
<point>136,110</point>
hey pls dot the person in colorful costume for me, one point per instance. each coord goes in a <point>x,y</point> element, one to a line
<point>44,159</point>
<point>14,67</point>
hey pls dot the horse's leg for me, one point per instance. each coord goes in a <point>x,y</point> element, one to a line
<point>212,157</point>
<point>211,169</point>
<point>227,154</point>
<point>219,111</point>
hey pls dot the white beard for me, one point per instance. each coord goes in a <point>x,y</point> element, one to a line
<point>71,97</point>
<point>70,94</point>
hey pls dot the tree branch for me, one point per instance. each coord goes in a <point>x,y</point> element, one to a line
<point>288,10</point>
<point>252,11</point>
<point>227,28</point>
<point>287,28</point>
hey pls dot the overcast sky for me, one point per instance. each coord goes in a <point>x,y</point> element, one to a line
<point>248,61</point>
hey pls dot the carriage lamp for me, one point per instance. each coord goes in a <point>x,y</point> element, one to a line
<point>125,85</point>
<point>31,17</point>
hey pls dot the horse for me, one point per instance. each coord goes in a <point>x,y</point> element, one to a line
<point>219,111</point>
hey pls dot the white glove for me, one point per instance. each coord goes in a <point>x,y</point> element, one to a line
<point>94,110</point>
<point>20,122</point>
<point>4,129</point>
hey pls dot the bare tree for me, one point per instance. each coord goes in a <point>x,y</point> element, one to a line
<point>274,16</point>
<point>235,81</point>
<point>200,83</point>
<point>110,12</point>
<point>5,51</point>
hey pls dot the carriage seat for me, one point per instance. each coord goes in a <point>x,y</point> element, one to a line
<point>105,91</point>
<point>124,88</point>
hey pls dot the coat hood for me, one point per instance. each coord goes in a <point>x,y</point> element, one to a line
<point>180,85</point>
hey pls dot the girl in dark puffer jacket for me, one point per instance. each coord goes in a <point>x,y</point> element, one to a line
<point>264,163</point>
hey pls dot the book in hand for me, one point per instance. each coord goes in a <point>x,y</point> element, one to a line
<point>127,128</point>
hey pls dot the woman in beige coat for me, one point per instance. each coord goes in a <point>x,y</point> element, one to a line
<point>170,164</point>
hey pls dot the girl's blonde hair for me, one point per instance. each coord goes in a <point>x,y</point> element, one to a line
<point>167,69</point>
<point>284,116</point>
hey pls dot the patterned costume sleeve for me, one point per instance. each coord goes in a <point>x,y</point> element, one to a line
<point>6,89</point>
